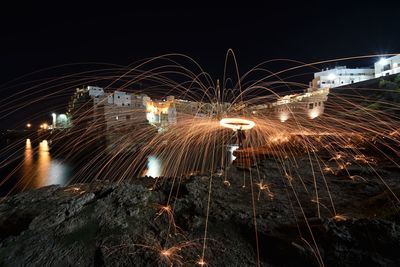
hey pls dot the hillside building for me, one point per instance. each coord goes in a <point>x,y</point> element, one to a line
<point>387,66</point>
<point>339,76</point>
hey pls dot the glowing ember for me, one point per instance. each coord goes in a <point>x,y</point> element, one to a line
<point>201,262</point>
<point>340,217</point>
<point>166,253</point>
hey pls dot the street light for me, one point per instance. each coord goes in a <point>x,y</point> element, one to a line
<point>28,125</point>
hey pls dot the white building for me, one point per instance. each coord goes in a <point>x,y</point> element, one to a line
<point>340,76</point>
<point>171,111</point>
<point>119,99</point>
<point>387,66</point>
<point>95,91</point>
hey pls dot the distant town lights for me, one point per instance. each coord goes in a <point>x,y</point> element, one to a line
<point>44,126</point>
<point>383,61</point>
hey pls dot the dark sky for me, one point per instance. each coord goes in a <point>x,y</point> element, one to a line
<point>38,34</point>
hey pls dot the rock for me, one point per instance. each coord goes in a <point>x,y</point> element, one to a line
<point>127,224</point>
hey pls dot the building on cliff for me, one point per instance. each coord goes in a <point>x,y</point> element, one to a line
<point>387,66</point>
<point>341,76</point>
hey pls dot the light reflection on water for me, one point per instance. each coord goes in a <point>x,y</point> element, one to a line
<point>40,169</point>
<point>231,149</point>
<point>155,167</point>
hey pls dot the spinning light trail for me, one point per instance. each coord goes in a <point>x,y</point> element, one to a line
<point>190,134</point>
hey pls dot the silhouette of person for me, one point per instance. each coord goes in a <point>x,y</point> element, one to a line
<point>240,136</point>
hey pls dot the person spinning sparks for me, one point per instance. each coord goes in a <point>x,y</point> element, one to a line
<point>240,137</point>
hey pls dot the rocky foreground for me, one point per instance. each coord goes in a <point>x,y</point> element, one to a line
<point>147,222</point>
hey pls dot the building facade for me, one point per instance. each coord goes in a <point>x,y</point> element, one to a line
<point>310,105</point>
<point>339,76</point>
<point>387,66</point>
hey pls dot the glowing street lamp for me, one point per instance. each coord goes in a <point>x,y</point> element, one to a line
<point>28,125</point>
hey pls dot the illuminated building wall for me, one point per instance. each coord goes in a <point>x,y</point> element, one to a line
<point>161,113</point>
<point>309,104</point>
<point>199,109</point>
<point>387,66</point>
<point>119,98</point>
<point>95,91</point>
<point>120,122</point>
<point>62,121</point>
<point>340,76</point>
<point>97,114</point>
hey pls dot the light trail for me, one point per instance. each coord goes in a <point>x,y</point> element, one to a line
<point>311,145</point>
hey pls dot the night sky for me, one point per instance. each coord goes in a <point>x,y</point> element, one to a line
<point>37,35</point>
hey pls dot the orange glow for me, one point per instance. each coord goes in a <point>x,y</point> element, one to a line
<point>166,253</point>
<point>201,262</point>
<point>283,117</point>
<point>313,114</point>
<point>158,108</point>
<point>28,166</point>
<point>166,208</point>
<point>340,217</point>
<point>44,162</point>
<point>44,126</point>
<point>28,144</point>
<point>236,124</point>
